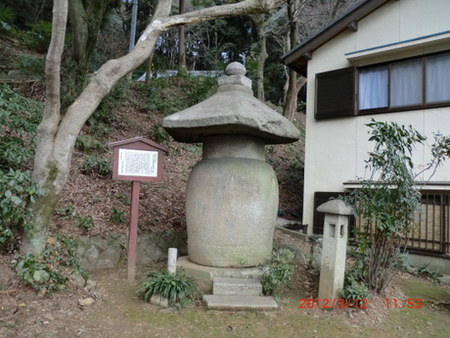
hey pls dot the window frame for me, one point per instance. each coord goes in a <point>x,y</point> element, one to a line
<point>389,108</point>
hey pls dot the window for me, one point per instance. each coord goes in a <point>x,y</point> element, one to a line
<point>373,89</point>
<point>418,83</point>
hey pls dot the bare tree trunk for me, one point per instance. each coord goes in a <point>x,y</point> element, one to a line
<point>45,169</point>
<point>86,19</point>
<point>296,83</point>
<point>181,44</point>
<point>56,137</point>
<point>259,21</point>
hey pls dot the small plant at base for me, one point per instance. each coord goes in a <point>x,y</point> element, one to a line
<point>277,271</point>
<point>425,271</point>
<point>314,267</point>
<point>85,222</point>
<point>177,287</point>
<point>94,164</point>
<point>355,292</point>
<point>88,143</point>
<point>65,212</point>
<point>51,269</point>
<point>242,261</point>
<point>159,134</point>
<point>117,216</point>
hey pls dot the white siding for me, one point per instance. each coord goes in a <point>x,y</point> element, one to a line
<point>336,148</point>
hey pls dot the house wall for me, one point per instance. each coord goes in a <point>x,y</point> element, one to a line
<point>336,148</point>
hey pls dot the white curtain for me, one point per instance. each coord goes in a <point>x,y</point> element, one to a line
<point>406,83</point>
<point>373,87</point>
<point>438,78</point>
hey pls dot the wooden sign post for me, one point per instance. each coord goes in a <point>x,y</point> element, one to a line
<point>137,160</point>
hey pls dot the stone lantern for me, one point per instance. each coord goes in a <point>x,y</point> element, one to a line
<point>232,194</point>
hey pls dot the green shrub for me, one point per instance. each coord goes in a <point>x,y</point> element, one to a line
<point>52,269</point>
<point>277,271</point>
<point>177,287</point>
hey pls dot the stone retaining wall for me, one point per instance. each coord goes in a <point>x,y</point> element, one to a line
<point>105,252</point>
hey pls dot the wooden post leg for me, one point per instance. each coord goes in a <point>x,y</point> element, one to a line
<point>132,238</point>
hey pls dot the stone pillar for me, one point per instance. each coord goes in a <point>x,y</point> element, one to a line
<point>334,250</point>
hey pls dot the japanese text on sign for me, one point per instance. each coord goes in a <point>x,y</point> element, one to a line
<point>138,163</point>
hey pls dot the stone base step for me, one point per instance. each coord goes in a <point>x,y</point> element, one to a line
<point>240,302</point>
<point>237,286</point>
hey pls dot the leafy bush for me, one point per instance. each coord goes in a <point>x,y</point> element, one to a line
<point>52,269</point>
<point>389,201</point>
<point>177,287</point>
<point>277,272</point>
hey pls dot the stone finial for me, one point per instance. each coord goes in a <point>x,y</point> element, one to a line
<point>235,68</point>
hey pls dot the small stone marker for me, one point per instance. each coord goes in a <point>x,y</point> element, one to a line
<point>172,268</point>
<point>334,250</point>
<point>137,160</point>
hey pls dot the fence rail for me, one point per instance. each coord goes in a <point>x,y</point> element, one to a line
<point>432,231</point>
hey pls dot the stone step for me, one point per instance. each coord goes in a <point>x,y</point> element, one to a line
<point>214,302</point>
<point>237,286</point>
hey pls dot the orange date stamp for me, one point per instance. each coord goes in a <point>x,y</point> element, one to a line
<point>389,303</point>
<point>326,303</point>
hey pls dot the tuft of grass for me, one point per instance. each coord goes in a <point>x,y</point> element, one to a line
<point>178,288</point>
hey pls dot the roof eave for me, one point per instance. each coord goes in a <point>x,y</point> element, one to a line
<point>297,58</point>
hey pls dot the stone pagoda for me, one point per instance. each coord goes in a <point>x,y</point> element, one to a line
<point>232,194</point>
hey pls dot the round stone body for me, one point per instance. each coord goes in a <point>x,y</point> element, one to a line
<point>231,203</point>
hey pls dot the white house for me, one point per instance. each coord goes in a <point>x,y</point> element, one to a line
<point>388,60</point>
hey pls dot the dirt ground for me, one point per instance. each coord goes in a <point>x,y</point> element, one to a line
<point>118,312</point>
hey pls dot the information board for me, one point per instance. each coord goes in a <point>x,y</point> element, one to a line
<point>140,163</point>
